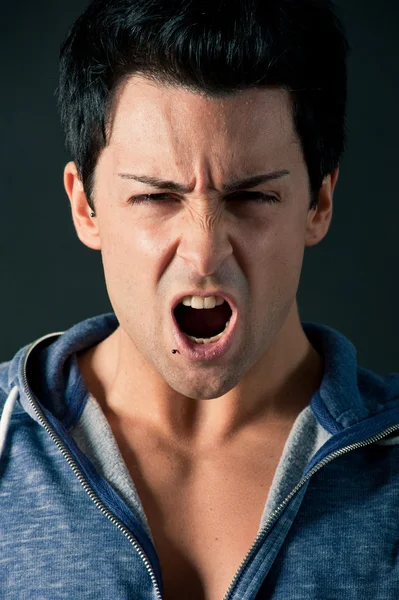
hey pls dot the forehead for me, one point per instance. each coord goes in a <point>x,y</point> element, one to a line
<point>141,97</point>
<point>153,121</point>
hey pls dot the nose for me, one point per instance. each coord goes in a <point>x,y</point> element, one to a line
<point>205,246</point>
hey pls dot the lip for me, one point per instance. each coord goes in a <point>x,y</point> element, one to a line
<point>205,352</point>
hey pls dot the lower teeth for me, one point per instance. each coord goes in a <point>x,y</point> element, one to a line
<point>211,340</point>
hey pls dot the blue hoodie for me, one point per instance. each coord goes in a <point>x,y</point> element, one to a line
<point>66,533</point>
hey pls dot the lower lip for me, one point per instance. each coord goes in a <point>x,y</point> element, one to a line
<point>205,352</point>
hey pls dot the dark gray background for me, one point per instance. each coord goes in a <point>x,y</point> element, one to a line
<point>50,280</point>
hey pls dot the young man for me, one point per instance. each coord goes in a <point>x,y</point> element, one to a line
<point>200,442</point>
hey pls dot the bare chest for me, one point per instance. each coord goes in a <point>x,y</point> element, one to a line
<point>204,514</point>
<point>203,531</point>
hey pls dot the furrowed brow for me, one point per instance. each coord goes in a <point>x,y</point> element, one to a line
<point>161,184</point>
<point>232,186</point>
<point>251,182</point>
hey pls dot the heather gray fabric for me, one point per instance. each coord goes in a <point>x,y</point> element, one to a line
<point>306,437</point>
<point>94,437</point>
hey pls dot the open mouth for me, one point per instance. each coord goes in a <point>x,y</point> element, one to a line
<point>203,320</point>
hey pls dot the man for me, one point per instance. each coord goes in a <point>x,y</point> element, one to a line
<point>200,442</point>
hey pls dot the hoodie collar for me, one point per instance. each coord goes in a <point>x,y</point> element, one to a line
<point>347,394</point>
<point>52,370</point>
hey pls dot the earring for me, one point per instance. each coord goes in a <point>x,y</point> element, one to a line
<point>92,214</point>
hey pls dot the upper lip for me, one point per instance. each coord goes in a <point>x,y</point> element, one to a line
<point>221,293</point>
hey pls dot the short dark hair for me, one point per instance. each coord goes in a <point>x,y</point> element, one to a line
<point>217,47</point>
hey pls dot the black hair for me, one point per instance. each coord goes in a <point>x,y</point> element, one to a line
<point>216,47</point>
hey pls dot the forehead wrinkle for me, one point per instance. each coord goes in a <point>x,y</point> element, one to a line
<point>203,179</point>
<point>187,157</point>
<point>201,158</point>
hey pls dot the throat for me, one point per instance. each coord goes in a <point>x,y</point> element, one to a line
<point>202,323</point>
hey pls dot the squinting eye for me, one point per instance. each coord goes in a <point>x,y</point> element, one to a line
<point>150,198</point>
<point>257,197</point>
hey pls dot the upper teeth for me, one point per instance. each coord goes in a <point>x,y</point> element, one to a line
<point>199,302</point>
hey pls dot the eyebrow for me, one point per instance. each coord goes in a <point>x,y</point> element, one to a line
<point>234,185</point>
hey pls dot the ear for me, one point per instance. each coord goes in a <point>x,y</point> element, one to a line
<point>85,225</point>
<point>319,218</point>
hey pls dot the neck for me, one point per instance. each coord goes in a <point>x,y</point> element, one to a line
<point>275,390</point>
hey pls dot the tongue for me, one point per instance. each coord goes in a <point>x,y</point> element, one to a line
<point>204,323</point>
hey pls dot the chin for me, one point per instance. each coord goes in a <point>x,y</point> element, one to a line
<point>204,386</point>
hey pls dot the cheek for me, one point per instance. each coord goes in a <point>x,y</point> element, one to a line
<point>130,256</point>
<point>130,242</point>
<point>279,241</point>
<point>136,252</point>
<point>275,257</point>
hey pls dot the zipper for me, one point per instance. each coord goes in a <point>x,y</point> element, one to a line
<point>278,510</point>
<point>99,504</point>
<point>82,479</point>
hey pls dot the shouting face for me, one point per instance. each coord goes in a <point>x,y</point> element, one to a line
<point>202,217</point>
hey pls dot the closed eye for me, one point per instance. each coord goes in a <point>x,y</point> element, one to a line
<point>150,198</point>
<point>258,197</point>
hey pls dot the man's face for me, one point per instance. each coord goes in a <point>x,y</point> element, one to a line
<point>206,238</point>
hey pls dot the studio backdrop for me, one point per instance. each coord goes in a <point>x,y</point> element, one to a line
<point>50,280</point>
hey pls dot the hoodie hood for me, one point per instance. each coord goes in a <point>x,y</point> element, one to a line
<point>47,370</point>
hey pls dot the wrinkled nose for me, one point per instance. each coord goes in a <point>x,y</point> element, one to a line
<point>205,247</point>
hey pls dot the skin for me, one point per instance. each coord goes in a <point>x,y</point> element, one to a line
<point>200,240</point>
